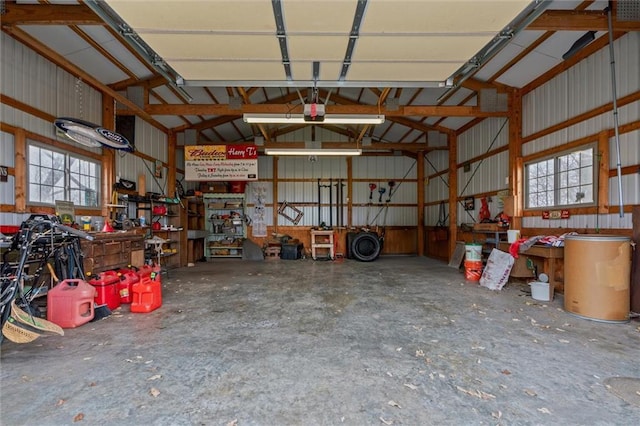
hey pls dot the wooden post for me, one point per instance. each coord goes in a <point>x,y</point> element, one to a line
<point>20,170</point>
<point>603,172</point>
<point>275,193</point>
<point>108,155</point>
<point>171,163</point>
<point>420,199</point>
<point>453,192</point>
<point>515,156</point>
<point>349,191</point>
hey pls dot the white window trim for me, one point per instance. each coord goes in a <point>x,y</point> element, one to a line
<point>67,172</point>
<point>593,146</point>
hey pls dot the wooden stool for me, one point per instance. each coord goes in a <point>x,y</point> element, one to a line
<point>322,240</point>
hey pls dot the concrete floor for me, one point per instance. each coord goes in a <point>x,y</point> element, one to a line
<point>402,340</point>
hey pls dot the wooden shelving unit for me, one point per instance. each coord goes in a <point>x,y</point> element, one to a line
<point>196,229</point>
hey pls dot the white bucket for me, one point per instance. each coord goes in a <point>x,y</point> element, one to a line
<point>473,252</point>
<point>513,235</point>
<point>540,291</point>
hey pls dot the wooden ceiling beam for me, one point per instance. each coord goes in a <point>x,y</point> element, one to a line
<point>403,111</point>
<point>392,146</point>
<point>147,83</point>
<point>49,14</point>
<point>580,20</point>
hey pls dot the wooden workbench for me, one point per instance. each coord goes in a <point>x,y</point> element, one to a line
<point>549,260</point>
<point>112,250</point>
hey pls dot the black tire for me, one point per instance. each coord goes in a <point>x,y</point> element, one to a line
<point>366,246</point>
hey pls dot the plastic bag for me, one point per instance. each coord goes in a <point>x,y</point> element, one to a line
<point>496,272</point>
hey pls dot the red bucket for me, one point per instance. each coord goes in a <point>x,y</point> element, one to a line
<point>472,270</point>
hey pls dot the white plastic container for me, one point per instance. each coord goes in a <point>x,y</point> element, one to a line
<point>540,291</point>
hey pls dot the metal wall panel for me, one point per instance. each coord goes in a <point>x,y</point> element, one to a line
<point>396,216</point>
<point>484,176</point>
<point>304,168</point>
<point>583,87</point>
<point>265,167</point>
<point>605,221</point>
<point>7,153</point>
<point>384,168</point>
<point>630,190</point>
<point>487,135</point>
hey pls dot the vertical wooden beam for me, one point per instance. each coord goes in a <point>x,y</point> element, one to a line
<point>108,177</point>
<point>420,199</point>
<point>171,163</point>
<point>20,169</point>
<point>275,193</point>
<point>603,172</point>
<point>453,192</point>
<point>349,191</point>
<point>515,152</point>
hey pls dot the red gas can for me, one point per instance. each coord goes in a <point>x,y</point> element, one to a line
<point>70,303</point>
<point>128,277</point>
<point>147,295</point>
<point>106,284</point>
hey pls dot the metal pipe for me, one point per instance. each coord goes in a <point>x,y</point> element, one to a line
<point>615,106</point>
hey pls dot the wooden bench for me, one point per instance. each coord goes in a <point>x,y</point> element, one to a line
<point>550,258</point>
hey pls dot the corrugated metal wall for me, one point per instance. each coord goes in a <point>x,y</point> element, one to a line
<point>29,78</point>
<point>486,175</point>
<point>437,188</point>
<point>151,141</point>
<point>584,87</point>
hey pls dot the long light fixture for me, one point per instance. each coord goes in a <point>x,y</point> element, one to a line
<point>300,119</point>
<point>312,152</point>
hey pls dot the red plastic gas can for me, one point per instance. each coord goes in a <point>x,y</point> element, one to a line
<point>128,277</point>
<point>147,295</point>
<point>70,303</point>
<point>106,284</point>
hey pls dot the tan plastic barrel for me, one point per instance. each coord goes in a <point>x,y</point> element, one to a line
<point>597,274</point>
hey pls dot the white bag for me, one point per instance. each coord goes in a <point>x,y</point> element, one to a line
<point>496,272</point>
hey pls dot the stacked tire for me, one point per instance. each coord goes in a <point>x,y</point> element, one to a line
<point>365,246</point>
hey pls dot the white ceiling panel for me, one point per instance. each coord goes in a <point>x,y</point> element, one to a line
<point>532,66</point>
<point>318,17</point>
<point>59,38</point>
<point>316,48</point>
<point>414,48</point>
<point>208,46</point>
<point>229,70</point>
<point>400,71</point>
<point>245,16</point>
<point>431,16</point>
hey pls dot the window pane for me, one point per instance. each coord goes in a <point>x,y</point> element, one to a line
<point>46,158</point>
<point>586,175</point>
<point>34,155</point>
<point>73,165</point>
<point>34,192</point>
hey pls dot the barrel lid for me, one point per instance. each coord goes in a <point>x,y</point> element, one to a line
<point>597,237</point>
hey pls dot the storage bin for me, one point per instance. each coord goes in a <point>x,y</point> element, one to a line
<point>70,303</point>
<point>291,251</point>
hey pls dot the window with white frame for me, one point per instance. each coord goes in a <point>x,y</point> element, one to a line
<point>565,179</point>
<point>57,175</point>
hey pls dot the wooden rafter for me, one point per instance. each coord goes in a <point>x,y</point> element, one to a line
<point>50,14</point>
<point>580,20</point>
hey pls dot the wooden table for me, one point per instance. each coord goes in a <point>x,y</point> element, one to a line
<point>552,259</point>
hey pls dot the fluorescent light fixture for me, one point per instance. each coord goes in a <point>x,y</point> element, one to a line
<point>307,152</point>
<point>299,119</point>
